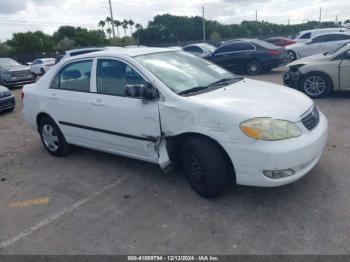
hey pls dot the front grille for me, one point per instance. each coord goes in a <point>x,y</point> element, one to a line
<point>19,73</point>
<point>311,119</point>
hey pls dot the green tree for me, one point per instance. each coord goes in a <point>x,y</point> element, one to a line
<point>131,23</point>
<point>109,21</point>
<point>102,24</point>
<point>31,42</point>
<point>117,24</point>
<point>125,26</point>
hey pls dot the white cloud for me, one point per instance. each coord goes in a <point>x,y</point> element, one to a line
<point>48,15</point>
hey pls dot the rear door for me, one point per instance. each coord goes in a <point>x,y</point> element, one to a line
<point>234,56</point>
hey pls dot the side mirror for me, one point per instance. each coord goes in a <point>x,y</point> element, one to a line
<point>145,92</point>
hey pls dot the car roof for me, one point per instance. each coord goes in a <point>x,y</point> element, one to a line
<point>131,52</point>
<point>197,44</point>
<point>332,33</point>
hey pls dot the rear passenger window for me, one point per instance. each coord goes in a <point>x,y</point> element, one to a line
<point>306,36</point>
<point>113,76</point>
<point>74,77</point>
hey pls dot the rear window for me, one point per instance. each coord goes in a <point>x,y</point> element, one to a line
<point>264,44</point>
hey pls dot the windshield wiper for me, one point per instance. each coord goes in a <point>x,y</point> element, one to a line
<point>216,83</point>
<point>226,80</point>
<point>193,89</point>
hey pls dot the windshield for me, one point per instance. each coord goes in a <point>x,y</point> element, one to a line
<point>8,63</point>
<point>343,48</point>
<point>181,71</point>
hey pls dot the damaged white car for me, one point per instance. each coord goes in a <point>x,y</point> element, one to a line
<point>165,106</point>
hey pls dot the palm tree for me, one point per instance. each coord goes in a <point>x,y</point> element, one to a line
<point>125,25</point>
<point>138,28</point>
<point>109,31</point>
<point>131,23</point>
<point>109,20</point>
<point>102,24</point>
<point>117,24</point>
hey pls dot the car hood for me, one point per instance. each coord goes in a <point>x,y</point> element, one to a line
<point>250,99</point>
<point>310,59</point>
<point>15,68</point>
<point>2,89</point>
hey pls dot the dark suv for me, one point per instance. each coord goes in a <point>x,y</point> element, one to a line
<point>13,74</point>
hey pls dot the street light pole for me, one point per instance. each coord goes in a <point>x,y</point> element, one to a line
<point>111,10</point>
<point>204,37</point>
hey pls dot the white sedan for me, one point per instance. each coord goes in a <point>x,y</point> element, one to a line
<point>320,44</point>
<point>41,66</point>
<point>164,106</point>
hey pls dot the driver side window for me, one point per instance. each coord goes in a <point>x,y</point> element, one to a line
<point>113,76</point>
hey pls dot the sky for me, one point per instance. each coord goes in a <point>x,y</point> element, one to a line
<point>48,15</point>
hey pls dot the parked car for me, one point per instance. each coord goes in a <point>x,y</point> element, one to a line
<point>81,51</point>
<point>318,75</point>
<point>305,36</point>
<point>164,106</point>
<point>7,100</point>
<point>41,66</point>
<point>199,49</point>
<point>248,55</point>
<point>280,41</point>
<point>13,73</point>
<point>319,44</point>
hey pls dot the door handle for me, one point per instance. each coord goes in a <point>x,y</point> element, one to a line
<point>98,102</point>
<point>53,96</point>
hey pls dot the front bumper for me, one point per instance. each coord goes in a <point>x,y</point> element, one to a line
<point>7,103</point>
<point>300,154</point>
<point>16,81</point>
<point>291,79</point>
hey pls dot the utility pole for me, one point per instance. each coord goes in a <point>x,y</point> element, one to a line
<point>256,23</point>
<point>204,38</point>
<point>111,10</point>
<point>320,18</point>
<point>336,21</point>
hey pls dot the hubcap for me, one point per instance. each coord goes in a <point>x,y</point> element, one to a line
<point>253,68</point>
<point>196,167</point>
<point>291,56</point>
<point>315,85</point>
<point>50,137</point>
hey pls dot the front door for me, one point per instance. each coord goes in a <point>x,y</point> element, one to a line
<point>124,125</point>
<point>345,74</point>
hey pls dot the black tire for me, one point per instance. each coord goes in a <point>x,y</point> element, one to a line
<point>42,71</point>
<point>321,88</point>
<point>63,148</point>
<point>254,67</point>
<point>292,56</point>
<point>205,166</point>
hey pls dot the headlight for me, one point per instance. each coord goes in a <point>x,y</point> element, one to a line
<point>270,129</point>
<point>5,93</point>
<point>295,68</point>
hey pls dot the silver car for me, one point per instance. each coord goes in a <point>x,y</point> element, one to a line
<point>318,75</point>
<point>7,100</point>
<point>13,73</point>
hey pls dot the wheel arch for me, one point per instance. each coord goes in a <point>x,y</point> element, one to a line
<point>41,116</point>
<point>315,72</point>
<point>174,144</point>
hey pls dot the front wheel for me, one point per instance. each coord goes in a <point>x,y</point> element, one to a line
<point>206,167</point>
<point>52,138</point>
<point>254,67</point>
<point>316,85</point>
<point>42,71</point>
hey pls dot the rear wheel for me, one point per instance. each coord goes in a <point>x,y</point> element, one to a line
<point>52,138</point>
<point>292,55</point>
<point>254,67</point>
<point>205,166</point>
<point>316,85</point>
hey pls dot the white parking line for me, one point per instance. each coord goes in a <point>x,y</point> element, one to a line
<point>59,214</point>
